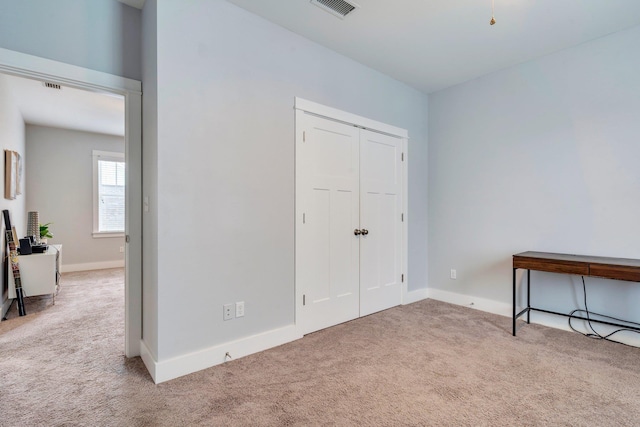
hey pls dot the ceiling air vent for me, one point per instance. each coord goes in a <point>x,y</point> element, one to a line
<point>52,85</point>
<point>339,8</point>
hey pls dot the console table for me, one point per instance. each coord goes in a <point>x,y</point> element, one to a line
<point>581,265</point>
<point>40,273</point>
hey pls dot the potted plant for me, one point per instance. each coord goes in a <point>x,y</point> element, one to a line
<point>44,232</point>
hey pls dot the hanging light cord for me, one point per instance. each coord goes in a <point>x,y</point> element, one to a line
<point>493,19</point>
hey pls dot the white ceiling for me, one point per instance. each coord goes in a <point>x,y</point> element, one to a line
<point>434,44</point>
<point>68,107</point>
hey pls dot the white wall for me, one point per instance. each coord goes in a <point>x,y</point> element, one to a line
<point>102,35</point>
<point>225,174</point>
<point>544,157</point>
<point>60,188</point>
<point>12,137</point>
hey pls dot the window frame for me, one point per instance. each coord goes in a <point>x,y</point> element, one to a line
<point>111,156</point>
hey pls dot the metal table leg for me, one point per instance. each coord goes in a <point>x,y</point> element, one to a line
<point>514,302</point>
<point>528,295</point>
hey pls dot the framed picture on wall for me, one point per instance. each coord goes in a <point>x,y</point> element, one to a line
<point>10,174</point>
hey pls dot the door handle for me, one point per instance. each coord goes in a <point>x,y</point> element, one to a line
<point>357,232</point>
<point>364,231</point>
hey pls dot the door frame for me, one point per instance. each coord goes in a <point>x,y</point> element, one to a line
<point>34,67</point>
<point>302,107</point>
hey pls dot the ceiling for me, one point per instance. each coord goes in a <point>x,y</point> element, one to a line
<point>434,44</point>
<point>427,44</point>
<point>67,107</point>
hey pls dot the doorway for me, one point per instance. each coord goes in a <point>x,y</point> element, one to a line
<point>22,65</point>
<point>350,228</point>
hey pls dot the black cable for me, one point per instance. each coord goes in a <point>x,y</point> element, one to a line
<point>595,334</point>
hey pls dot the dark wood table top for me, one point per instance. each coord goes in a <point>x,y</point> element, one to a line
<point>584,265</point>
<point>581,258</point>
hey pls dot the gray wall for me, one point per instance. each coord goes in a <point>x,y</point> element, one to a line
<point>12,137</point>
<point>102,35</point>
<point>60,187</point>
<point>542,156</point>
<point>225,172</point>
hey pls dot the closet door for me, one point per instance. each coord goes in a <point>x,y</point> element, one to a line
<point>380,210</point>
<point>327,248</point>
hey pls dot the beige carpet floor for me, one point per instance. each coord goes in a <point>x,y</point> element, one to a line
<point>424,364</point>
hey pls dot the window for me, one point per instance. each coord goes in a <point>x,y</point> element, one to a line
<point>108,191</point>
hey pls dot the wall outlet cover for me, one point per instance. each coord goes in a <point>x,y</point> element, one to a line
<point>227,311</point>
<point>240,309</point>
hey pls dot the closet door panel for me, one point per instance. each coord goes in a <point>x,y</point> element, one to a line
<point>327,261</point>
<point>380,195</point>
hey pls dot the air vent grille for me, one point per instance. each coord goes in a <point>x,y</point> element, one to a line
<point>52,85</point>
<point>339,8</point>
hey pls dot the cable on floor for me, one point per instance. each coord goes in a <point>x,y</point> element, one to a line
<point>594,334</point>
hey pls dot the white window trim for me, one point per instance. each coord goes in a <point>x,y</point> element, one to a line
<point>108,156</point>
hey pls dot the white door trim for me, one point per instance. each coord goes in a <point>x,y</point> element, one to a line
<point>29,66</point>
<point>302,107</point>
<point>349,118</point>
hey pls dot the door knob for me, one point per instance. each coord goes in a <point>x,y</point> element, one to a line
<point>357,232</point>
<point>364,231</point>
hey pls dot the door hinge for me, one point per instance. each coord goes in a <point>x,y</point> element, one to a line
<point>304,218</point>
<point>402,156</point>
<point>402,278</point>
<point>402,217</point>
<point>304,300</point>
<point>127,238</point>
<point>304,136</point>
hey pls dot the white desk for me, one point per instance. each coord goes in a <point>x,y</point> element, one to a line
<point>40,273</point>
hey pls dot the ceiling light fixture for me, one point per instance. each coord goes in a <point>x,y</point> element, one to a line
<point>493,19</point>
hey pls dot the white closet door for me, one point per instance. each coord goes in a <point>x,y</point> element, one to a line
<point>328,250</point>
<point>380,210</point>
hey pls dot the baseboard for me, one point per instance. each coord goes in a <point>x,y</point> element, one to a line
<point>482,304</point>
<point>5,307</point>
<point>561,322</point>
<point>148,359</point>
<point>415,296</point>
<point>545,319</point>
<point>67,268</point>
<point>186,364</point>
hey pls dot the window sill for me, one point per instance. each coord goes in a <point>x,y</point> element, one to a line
<point>102,234</point>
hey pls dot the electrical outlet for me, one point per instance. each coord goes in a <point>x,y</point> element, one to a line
<point>121,249</point>
<point>240,309</point>
<point>454,274</point>
<point>227,311</point>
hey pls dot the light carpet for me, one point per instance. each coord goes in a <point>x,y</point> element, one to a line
<point>424,364</point>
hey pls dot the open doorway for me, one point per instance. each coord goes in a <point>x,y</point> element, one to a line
<point>106,89</point>
<point>74,169</point>
<point>73,181</point>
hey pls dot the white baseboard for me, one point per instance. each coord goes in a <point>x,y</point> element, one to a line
<point>560,322</point>
<point>67,268</point>
<point>545,319</point>
<point>188,363</point>
<point>415,296</point>
<point>482,304</point>
<point>5,307</point>
<point>148,359</point>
